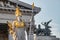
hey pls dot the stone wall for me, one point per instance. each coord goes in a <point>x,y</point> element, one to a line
<point>47,38</point>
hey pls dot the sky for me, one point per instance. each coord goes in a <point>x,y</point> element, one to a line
<point>50,9</point>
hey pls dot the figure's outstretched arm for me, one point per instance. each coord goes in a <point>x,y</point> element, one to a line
<point>49,21</point>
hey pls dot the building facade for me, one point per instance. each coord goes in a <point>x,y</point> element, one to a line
<point>7,13</point>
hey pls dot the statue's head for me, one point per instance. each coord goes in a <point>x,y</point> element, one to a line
<point>39,26</point>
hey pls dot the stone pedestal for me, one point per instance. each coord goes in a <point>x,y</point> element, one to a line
<point>47,38</point>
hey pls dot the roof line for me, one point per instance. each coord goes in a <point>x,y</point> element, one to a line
<point>37,9</point>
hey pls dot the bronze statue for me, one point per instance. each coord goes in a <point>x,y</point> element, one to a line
<point>46,31</point>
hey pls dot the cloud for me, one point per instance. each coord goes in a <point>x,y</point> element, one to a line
<point>55,29</point>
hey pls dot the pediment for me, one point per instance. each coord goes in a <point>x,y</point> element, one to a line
<point>10,4</point>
